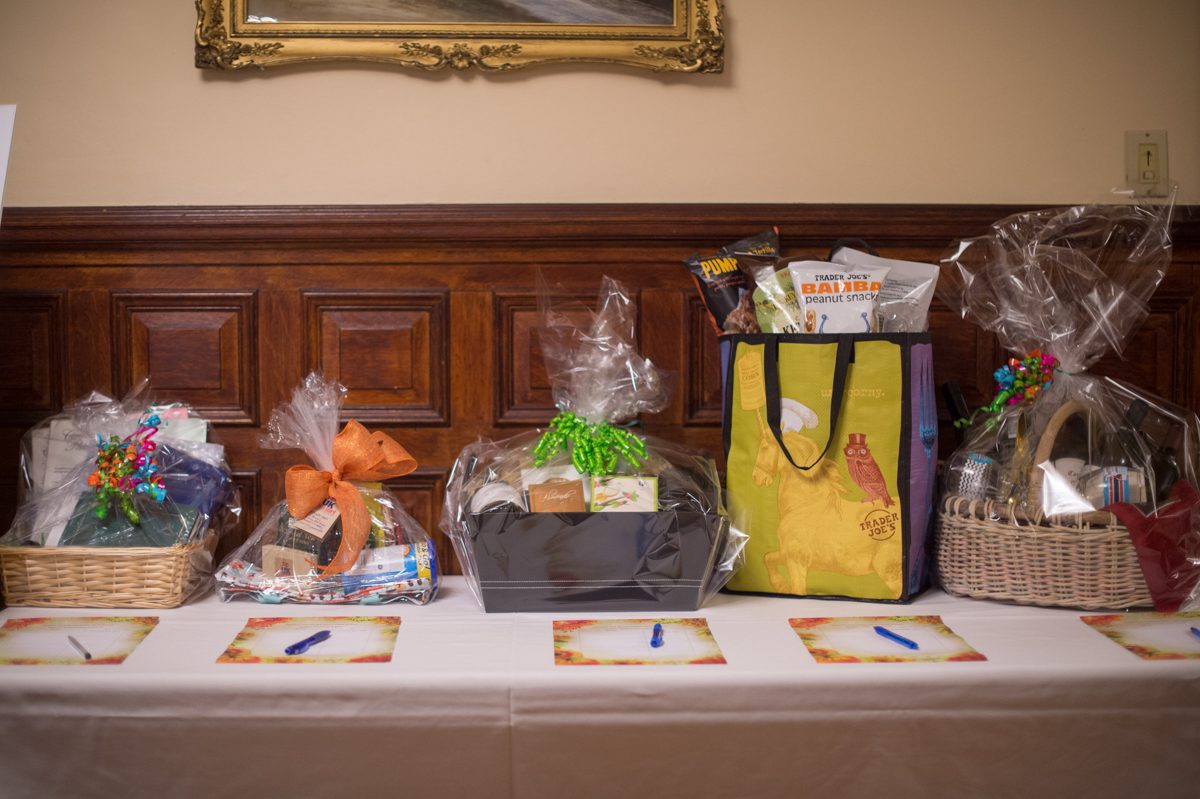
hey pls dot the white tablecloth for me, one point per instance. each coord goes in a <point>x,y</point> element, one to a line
<point>472,705</point>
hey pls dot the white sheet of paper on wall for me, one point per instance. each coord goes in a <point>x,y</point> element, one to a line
<point>8,113</point>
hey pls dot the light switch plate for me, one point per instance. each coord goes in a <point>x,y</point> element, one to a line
<point>1146,169</point>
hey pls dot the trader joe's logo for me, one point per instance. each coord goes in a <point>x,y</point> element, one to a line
<point>880,524</point>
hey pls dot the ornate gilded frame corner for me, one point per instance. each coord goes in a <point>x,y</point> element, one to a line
<point>694,42</point>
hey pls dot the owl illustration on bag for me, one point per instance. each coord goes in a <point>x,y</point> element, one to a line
<point>864,471</point>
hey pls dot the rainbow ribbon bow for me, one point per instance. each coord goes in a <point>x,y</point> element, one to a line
<point>126,467</point>
<point>1018,381</point>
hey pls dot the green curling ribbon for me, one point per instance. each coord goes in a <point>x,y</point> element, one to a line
<point>992,409</point>
<point>595,448</point>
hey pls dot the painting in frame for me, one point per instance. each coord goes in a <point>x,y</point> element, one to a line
<point>489,35</point>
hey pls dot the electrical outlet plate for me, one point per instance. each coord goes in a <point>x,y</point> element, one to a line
<point>1146,163</point>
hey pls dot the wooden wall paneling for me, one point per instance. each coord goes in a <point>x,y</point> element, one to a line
<point>249,485</point>
<point>88,355</point>
<point>1157,357</point>
<point>32,354</point>
<point>32,362</point>
<point>701,385</point>
<point>964,354</point>
<point>1158,353</point>
<point>1193,345</point>
<point>281,353</point>
<point>388,348</point>
<point>472,379</point>
<point>662,341</point>
<point>198,347</point>
<point>523,393</point>
<point>10,440</point>
<point>1184,278</point>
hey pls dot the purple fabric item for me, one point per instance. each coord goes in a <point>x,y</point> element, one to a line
<point>922,463</point>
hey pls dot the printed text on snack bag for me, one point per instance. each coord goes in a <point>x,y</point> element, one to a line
<point>718,266</point>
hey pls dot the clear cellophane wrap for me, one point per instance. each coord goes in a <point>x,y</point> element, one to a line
<point>599,380</point>
<point>186,491</point>
<point>1062,288</point>
<point>292,558</point>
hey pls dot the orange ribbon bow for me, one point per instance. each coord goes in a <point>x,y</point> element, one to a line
<point>357,455</point>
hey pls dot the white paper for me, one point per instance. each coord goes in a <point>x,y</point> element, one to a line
<point>54,510</point>
<point>190,429</point>
<point>48,641</point>
<point>8,115</point>
<point>66,451</point>
<point>39,451</point>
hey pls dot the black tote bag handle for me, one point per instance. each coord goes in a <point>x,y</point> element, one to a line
<point>845,353</point>
<point>860,243</point>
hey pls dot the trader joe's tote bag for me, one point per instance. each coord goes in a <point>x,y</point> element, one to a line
<point>831,445</point>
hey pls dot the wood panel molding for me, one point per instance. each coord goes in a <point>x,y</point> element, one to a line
<point>32,354</point>
<point>534,226</point>
<point>702,353</point>
<point>195,346</point>
<point>523,394</point>
<point>389,349</point>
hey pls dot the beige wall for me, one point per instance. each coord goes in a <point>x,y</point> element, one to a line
<point>920,101</point>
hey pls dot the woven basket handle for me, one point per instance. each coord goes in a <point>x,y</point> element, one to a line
<point>1045,449</point>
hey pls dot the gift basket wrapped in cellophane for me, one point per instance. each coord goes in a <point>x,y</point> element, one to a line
<point>122,505</point>
<point>589,514</point>
<point>1069,489</point>
<point>339,536</point>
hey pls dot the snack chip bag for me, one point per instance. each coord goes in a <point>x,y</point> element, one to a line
<point>837,298</point>
<point>775,300</point>
<point>723,283</point>
<point>906,294</point>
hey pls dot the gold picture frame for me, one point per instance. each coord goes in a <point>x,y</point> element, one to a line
<point>662,35</point>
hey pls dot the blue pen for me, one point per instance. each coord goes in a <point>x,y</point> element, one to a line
<point>1196,631</point>
<point>656,638</point>
<point>900,639</point>
<point>300,647</point>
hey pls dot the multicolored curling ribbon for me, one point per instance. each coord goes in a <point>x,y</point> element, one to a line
<point>1018,381</point>
<point>595,447</point>
<point>126,467</point>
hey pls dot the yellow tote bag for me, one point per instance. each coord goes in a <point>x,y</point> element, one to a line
<point>831,445</point>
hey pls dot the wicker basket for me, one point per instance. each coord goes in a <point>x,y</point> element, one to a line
<point>987,550</point>
<point>994,550</point>
<point>106,577</point>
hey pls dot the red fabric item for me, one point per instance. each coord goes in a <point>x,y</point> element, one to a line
<point>1167,544</point>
